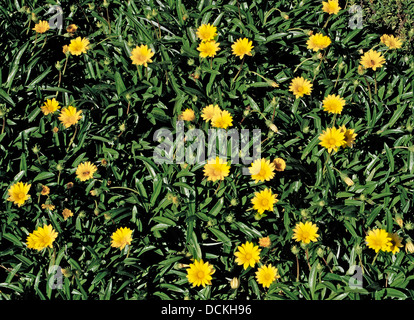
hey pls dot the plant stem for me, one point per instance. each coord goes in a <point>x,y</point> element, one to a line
<point>73,138</point>
<point>375,258</point>
<point>241,65</point>
<point>297,268</point>
<point>307,257</point>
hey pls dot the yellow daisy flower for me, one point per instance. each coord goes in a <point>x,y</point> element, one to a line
<point>141,55</point>
<point>262,170</point>
<point>121,237</point>
<point>318,41</point>
<point>391,42</point>
<point>187,115</point>
<point>305,232</point>
<point>85,171</point>
<point>78,46</point>
<point>210,111</point>
<point>206,32</point>
<point>65,49</point>
<point>378,239</point>
<point>372,59</point>
<point>41,238</point>
<point>41,27</point>
<point>332,139</point>
<point>72,28</point>
<point>265,242</point>
<point>300,86</point>
<point>208,48</point>
<point>45,190</point>
<point>349,137</point>
<point>396,243</point>
<point>50,106</point>
<point>331,6</point>
<point>266,275</point>
<point>242,47</point>
<point>222,119</point>
<point>280,164</point>
<point>19,193</point>
<point>70,116</point>
<point>67,213</point>
<point>199,273</point>
<point>48,206</point>
<point>248,255</point>
<point>264,200</point>
<point>333,103</point>
<point>216,169</point>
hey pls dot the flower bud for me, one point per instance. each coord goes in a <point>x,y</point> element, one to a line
<point>235,283</point>
<point>399,220</point>
<point>320,252</point>
<point>409,226</point>
<point>295,250</point>
<point>409,247</point>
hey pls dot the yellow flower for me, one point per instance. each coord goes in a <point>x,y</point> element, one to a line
<point>85,171</point>
<point>264,200</point>
<point>67,213</point>
<point>222,119</point>
<point>18,193</point>
<point>262,170</point>
<point>70,116</point>
<point>372,59</point>
<point>332,139</point>
<point>206,32</point>
<point>305,232</point>
<point>41,27</point>
<point>216,169</point>
<point>242,47</point>
<point>45,190</point>
<point>378,239</point>
<point>318,41</point>
<point>280,164</point>
<point>48,206</point>
<point>208,48</point>
<point>349,137</point>
<point>72,28</point>
<point>210,111</point>
<point>331,7</point>
<point>265,275</point>
<point>333,103</point>
<point>248,255</point>
<point>265,242</point>
<point>300,86</point>
<point>41,238</point>
<point>391,42</point>
<point>65,49</point>
<point>121,237</point>
<point>188,115</point>
<point>78,46</point>
<point>50,106</point>
<point>141,55</point>
<point>199,273</point>
<point>396,243</point>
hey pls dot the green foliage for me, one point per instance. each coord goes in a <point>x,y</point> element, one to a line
<point>175,213</point>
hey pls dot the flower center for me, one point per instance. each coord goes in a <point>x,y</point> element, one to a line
<point>21,195</point>
<point>265,202</point>
<point>248,256</point>
<point>217,172</point>
<point>200,274</point>
<point>305,235</point>
<point>86,173</point>
<point>300,89</point>
<point>332,141</point>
